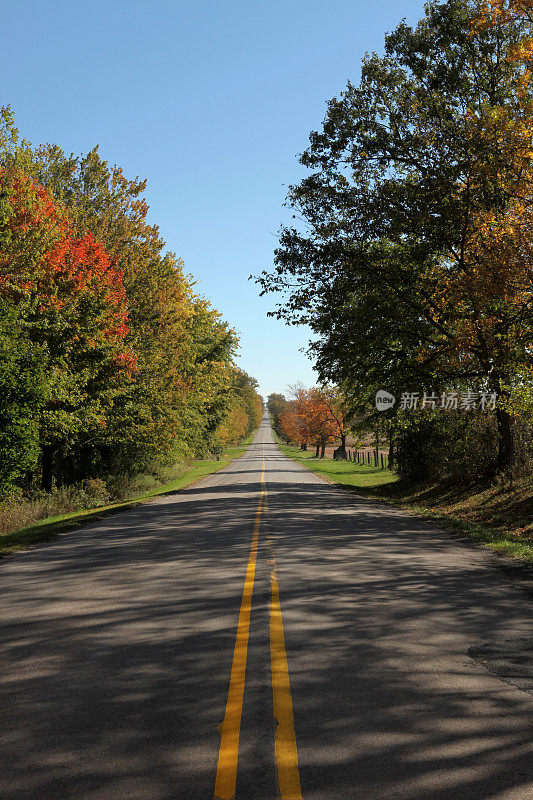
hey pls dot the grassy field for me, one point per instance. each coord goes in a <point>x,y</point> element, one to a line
<point>48,528</point>
<point>497,516</point>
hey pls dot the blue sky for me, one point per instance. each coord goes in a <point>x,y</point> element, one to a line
<point>211,102</point>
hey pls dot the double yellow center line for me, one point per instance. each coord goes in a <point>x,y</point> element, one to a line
<point>285,742</point>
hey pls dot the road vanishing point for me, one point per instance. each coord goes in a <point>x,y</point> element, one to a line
<point>259,635</point>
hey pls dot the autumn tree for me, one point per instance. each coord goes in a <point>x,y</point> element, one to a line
<point>322,424</point>
<point>292,425</point>
<point>71,303</point>
<point>413,186</point>
<point>495,12</point>
<point>340,415</point>
<point>184,349</point>
<point>138,370</point>
<point>308,418</point>
<point>244,410</point>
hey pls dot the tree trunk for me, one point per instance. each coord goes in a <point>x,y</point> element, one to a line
<point>317,451</point>
<point>323,451</point>
<point>341,454</point>
<point>505,428</point>
<point>303,446</point>
<point>505,441</point>
<point>47,467</point>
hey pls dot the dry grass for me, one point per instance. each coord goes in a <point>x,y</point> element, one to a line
<point>19,512</point>
<point>19,515</point>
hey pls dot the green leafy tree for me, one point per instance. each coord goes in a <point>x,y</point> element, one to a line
<point>391,272</point>
<point>276,405</point>
<point>23,392</point>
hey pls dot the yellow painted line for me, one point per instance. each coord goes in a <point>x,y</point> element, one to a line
<point>286,752</point>
<point>285,744</point>
<point>228,755</point>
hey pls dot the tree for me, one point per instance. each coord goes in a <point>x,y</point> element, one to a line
<point>244,412</point>
<point>322,424</point>
<point>292,425</point>
<point>70,305</point>
<point>184,350</point>
<point>23,392</point>
<point>115,365</point>
<point>396,273</point>
<point>276,404</point>
<point>494,12</point>
<point>308,418</point>
<point>337,406</point>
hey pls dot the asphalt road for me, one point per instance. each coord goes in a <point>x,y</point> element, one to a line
<point>121,644</point>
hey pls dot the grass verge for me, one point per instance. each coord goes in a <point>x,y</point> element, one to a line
<point>50,527</point>
<point>496,516</point>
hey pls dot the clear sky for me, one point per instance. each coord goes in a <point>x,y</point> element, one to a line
<point>211,102</point>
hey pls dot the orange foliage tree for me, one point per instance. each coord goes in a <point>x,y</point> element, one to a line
<point>501,11</point>
<point>292,425</point>
<point>308,419</point>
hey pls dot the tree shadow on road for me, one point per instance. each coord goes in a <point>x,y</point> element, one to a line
<point>117,648</point>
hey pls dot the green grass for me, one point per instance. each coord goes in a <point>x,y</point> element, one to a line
<point>345,473</point>
<point>498,517</point>
<point>48,528</point>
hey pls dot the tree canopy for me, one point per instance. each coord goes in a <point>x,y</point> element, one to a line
<point>413,264</point>
<point>111,363</point>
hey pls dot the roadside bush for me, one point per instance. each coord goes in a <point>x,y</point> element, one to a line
<point>95,491</point>
<point>523,446</point>
<point>446,446</point>
<point>121,486</point>
<point>18,511</point>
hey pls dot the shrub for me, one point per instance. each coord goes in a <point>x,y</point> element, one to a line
<point>95,490</point>
<point>121,486</point>
<point>17,511</point>
<point>446,446</point>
